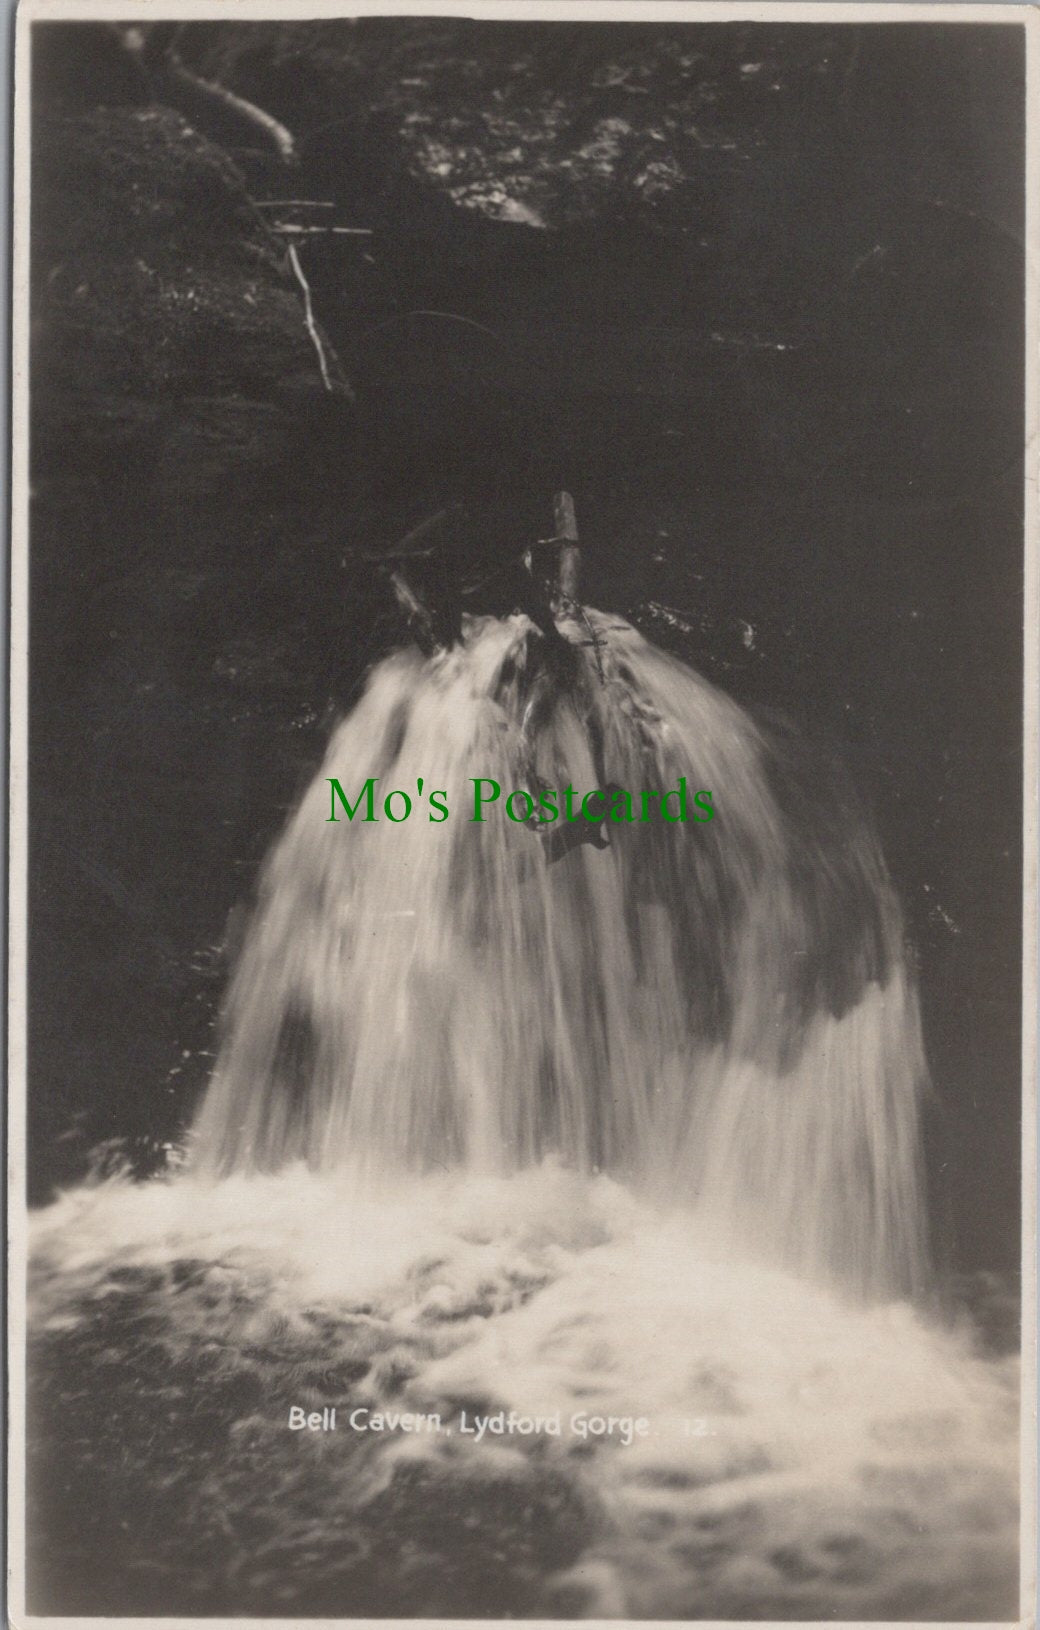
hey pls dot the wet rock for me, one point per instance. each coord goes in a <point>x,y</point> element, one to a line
<point>167,322</point>
<point>188,461</point>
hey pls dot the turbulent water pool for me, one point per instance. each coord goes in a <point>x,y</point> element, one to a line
<point>804,1456</point>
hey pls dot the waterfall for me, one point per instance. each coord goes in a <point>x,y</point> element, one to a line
<point>717,1014</point>
<point>599,1160</point>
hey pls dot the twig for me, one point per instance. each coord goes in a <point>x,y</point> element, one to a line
<point>291,228</point>
<point>592,640</point>
<point>308,312</point>
<point>417,613</point>
<point>406,544</point>
<point>449,316</point>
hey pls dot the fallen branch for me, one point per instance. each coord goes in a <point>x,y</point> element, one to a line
<point>568,570</point>
<point>255,120</point>
<point>418,614</point>
<point>154,47</point>
<point>308,312</point>
<point>534,602</point>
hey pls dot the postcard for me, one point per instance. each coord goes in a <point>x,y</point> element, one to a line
<point>523,783</point>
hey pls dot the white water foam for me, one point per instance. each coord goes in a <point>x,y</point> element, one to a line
<point>806,1457</point>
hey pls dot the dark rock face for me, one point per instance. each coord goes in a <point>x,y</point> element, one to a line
<point>78,69</point>
<point>158,288</point>
<point>185,452</point>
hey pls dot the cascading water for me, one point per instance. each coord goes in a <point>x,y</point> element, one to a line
<point>558,1138</point>
<point>719,1012</point>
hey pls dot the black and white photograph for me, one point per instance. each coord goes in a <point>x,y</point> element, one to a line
<point>522,1030</point>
